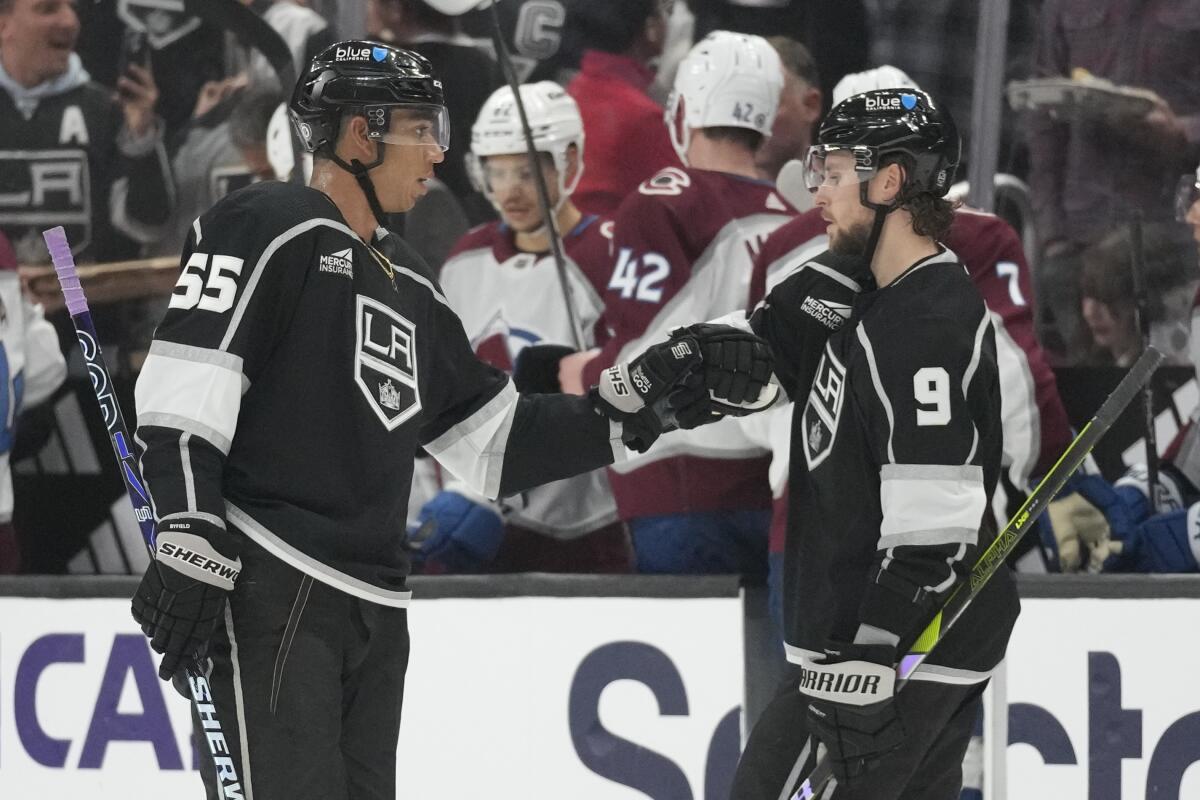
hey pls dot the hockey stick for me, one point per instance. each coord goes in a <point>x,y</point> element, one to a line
<point>556,245</point>
<point>1006,541</point>
<point>118,434</point>
<point>1137,263</point>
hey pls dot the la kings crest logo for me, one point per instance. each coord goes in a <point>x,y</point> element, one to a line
<point>385,366</point>
<point>824,409</point>
<point>43,188</point>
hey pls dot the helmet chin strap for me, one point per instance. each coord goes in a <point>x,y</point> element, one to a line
<point>361,173</point>
<point>881,212</point>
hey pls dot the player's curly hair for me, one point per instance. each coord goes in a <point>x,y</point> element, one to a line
<point>931,215</point>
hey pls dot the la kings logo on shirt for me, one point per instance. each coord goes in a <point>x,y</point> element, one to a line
<point>40,189</point>
<point>819,424</point>
<point>386,362</point>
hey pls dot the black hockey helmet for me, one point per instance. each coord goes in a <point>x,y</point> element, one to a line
<point>883,122</point>
<point>365,77</point>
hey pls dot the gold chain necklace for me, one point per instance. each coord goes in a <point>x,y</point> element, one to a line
<point>384,264</point>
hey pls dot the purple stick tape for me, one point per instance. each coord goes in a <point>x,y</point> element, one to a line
<point>64,266</point>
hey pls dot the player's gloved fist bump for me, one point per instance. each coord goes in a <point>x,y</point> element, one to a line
<point>851,711</point>
<point>467,531</point>
<point>645,394</point>
<point>182,596</point>
<point>738,367</point>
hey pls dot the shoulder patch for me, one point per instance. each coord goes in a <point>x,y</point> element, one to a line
<point>827,312</point>
<point>669,181</point>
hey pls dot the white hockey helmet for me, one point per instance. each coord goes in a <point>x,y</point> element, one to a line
<point>885,77</point>
<point>727,80</point>
<point>554,122</point>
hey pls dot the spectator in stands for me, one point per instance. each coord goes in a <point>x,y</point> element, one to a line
<point>1088,173</point>
<point>31,368</point>
<point>935,41</point>
<point>223,149</point>
<point>1170,540</point>
<point>1109,302</point>
<point>799,108</point>
<point>627,142</point>
<point>72,154</point>
<point>184,52</point>
<point>468,74</point>
<point>536,36</point>
<point>305,31</point>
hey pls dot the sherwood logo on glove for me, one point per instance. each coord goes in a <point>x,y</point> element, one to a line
<point>195,557</point>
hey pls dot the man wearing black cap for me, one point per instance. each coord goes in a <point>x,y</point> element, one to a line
<point>306,354</point>
<point>895,455</point>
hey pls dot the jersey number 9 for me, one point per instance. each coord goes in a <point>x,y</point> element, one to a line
<point>931,387</point>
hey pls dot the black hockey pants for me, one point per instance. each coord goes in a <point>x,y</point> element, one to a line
<point>308,683</point>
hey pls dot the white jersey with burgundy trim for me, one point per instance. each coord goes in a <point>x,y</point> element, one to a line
<point>683,251</point>
<point>509,299</point>
<point>296,372</point>
<point>895,455</point>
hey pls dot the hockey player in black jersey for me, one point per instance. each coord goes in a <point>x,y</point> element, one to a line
<point>895,455</point>
<point>305,356</point>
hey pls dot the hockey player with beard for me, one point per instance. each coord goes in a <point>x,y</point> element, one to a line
<point>895,457</point>
<point>683,247</point>
<point>502,281</point>
<point>305,356</point>
<point>72,155</point>
<point>1036,428</point>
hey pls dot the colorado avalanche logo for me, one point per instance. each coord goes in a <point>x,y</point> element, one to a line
<point>499,343</point>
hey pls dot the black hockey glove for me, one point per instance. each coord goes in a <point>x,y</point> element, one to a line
<point>738,367</point>
<point>851,708</point>
<point>182,594</point>
<point>648,394</point>
<point>536,368</point>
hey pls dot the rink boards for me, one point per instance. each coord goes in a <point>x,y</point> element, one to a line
<point>604,688</point>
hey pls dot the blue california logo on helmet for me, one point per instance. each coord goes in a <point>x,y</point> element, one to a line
<point>355,53</point>
<point>909,101</point>
<point>878,101</point>
<point>379,53</point>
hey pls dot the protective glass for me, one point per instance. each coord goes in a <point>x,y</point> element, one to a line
<point>830,166</point>
<point>419,125</point>
<point>1187,193</point>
